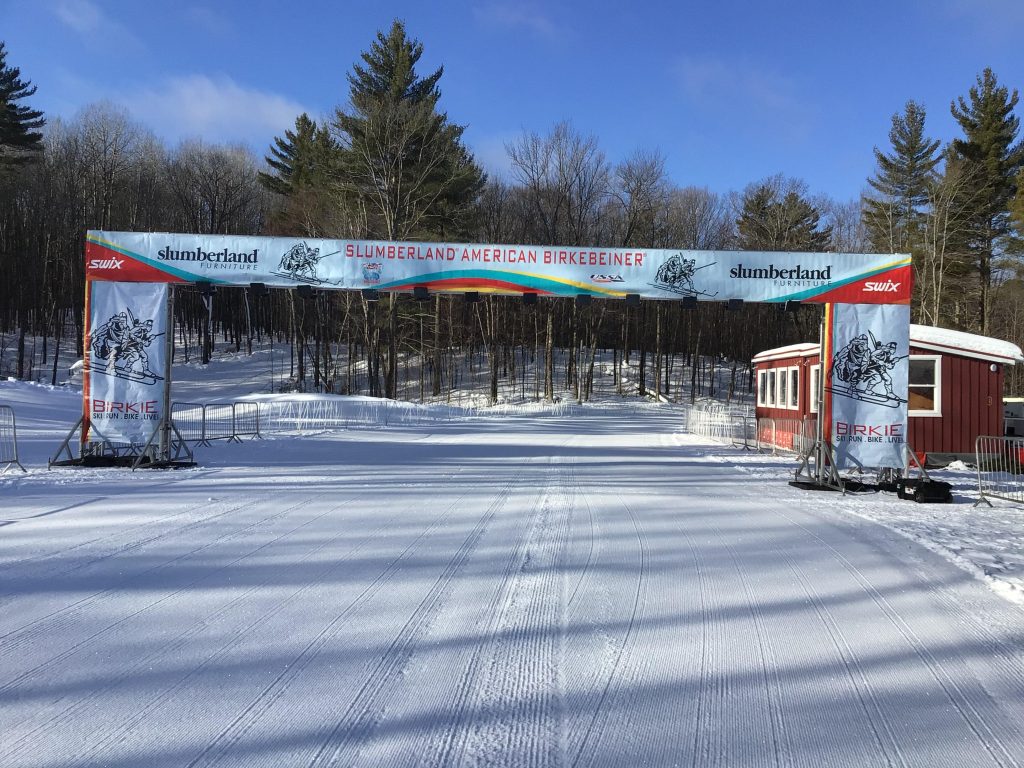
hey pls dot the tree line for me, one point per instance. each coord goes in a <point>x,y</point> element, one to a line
<point>391,165</point>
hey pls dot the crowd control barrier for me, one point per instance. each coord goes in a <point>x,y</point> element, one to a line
<point>199,423</point>
<point>1000,463</point>
<point>789,434</point>
<point>8,440</point>
<point>727,424</point>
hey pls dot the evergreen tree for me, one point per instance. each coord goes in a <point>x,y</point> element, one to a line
<point>990,130</point>
<point>776,216</point>
<point>302,159</point>
<point>902,181</point>
<point>1016,245</point>
<point>20,139</point>
<point>402,162</point>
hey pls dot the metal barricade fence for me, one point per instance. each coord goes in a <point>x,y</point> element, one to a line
<point>189,419</point>
<point>246,419</point>
<point>8,440</point>
<point>317,414</point>
<point>1000,463</point>
<point>808,434</point>
<point>744,431</point>
<point>788,434</point>
<point>199,423</point>
<point>218,423</point>
<point>728,424</point>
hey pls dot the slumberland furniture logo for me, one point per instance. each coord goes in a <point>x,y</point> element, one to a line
<point>223,259</point>
<point>785,276</point>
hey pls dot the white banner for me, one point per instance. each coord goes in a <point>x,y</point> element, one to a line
<point>867,378</point>
<point>125,361</point>
<point>505,269</point>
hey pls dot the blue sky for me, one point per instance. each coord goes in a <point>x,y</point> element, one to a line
<point>729,91</point>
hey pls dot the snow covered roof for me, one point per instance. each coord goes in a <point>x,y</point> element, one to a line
<point>793,350</point>
<point>966,344</point>
<point>924,337</point>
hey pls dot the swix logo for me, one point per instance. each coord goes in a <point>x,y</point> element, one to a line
<point>105,263</point>
<point>887,287</point>
<point>607,278</point>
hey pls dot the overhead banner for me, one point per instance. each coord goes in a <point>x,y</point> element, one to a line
<point>504,269</point>
<point>125,361</point>
<point>869,350</point>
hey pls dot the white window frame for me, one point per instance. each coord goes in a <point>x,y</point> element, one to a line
<point>793,388</point>
<point>937,412</point>
<point>782,388</point>
<point>772,391</point>
<point>762,387</point>
<point>815,373</point>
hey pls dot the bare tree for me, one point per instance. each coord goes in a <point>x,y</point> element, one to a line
<point>216,189</point>
<point>565,180</point>
<point>697,218</point>
<point>640,191</point>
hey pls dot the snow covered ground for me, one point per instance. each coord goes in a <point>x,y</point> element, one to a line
<point>591,588</point>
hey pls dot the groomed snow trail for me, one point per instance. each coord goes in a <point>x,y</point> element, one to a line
<point>522,592</point>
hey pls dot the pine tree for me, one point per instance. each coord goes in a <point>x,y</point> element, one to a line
<point>1016,245</point>
<point>990,129</point>
<point>902,181</point>
<point>302,158</point>
<point>20,139</point>
<point>402,161</point>
<point>776,216</point>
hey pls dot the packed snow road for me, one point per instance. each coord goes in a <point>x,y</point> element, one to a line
<point>504,592</point>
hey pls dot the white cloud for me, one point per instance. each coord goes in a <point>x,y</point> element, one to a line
<point>214,108</point>
<point>92,24</point>
<point>745,93</point>
<point>522,16</point>
<point>996,20</point>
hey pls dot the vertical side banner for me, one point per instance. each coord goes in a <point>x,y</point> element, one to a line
<point>868,361</point>
<point>126,361</point>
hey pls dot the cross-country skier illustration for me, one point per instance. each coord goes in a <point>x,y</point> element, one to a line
<point>676,275</point>
<point>299,263</point>
<point>860,370</point>
<point>119,348</point>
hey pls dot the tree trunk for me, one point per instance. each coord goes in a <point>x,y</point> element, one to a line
<point>549,357</point>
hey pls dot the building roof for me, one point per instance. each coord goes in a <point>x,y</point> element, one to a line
<point>793,350</point>
<point>966,344</point>
<point>924,337</point>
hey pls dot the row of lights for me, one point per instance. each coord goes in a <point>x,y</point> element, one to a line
<point>420,293</point>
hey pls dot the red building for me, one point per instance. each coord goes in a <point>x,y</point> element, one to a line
<point>956,390</point>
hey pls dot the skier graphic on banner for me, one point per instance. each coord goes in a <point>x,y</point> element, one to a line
<point>300,262</point>
<point>676,275</point>
<point>119,348</point>
<point>861,371</point>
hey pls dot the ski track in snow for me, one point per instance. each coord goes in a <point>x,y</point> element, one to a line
<point>523,592</point>
<point>52,725</point>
